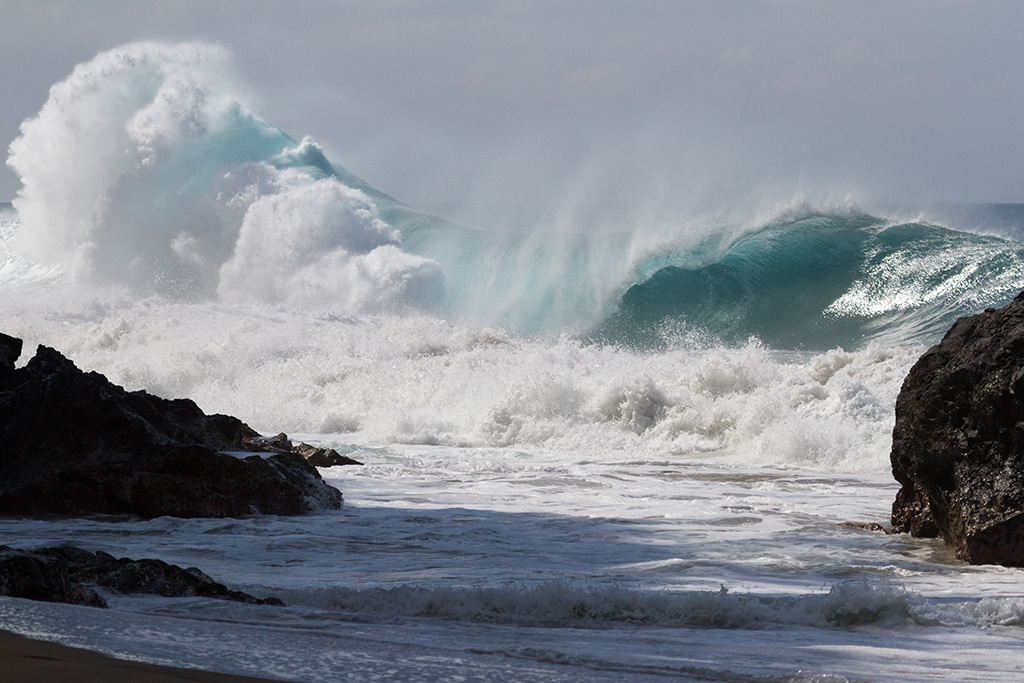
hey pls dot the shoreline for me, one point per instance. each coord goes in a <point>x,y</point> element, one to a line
<point>26,660</point>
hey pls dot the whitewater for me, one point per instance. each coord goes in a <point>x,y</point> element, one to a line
<point>652,452</point>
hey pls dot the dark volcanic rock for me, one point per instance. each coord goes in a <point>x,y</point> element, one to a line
<point>72,443</point>
<point>324,457</point>
<point>65,573</point>
<point>279,443</point>
<point>10,349</point>
<point>958,443</point>
<point>317,457</point>
<point>40,576</point>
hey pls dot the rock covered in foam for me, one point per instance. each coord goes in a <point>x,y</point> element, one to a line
<point>958,443</point>
<point>75,443</point>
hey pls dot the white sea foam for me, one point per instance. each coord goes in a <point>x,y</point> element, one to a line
<point>419,379</point>
<point>315,243</point>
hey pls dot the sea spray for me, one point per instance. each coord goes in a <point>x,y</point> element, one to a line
<point>143,169</point>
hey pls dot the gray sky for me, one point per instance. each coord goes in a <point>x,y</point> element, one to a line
<point>497,105</point>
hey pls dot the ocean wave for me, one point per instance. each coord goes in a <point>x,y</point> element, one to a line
<point>180,244</point>
<point>144,169</point>
<point>845,605</point>
<point>819,282</point>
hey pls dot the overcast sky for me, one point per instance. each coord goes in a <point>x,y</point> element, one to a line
<point>486,104</point>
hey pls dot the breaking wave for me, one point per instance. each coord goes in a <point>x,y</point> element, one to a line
<point>143,170</point>
<point>820,281</point>
<point>846,605</point>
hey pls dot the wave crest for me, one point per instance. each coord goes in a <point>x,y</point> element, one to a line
<point>846,605</point>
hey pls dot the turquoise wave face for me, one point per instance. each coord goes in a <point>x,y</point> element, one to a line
<point>821,282</point>
<point>814,282</point>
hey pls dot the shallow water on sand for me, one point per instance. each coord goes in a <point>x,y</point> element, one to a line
<point>461,564</point>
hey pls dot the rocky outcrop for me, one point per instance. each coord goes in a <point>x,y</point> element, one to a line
<point>68,574</point>
<point>39,576</point>
<point>317,457</point>
<point>72,442</point>
<point>10,350</point>
<point>324,457</point>
<point>958,443</point>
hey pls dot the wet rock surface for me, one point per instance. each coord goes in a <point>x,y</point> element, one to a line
<point>958,443</point>
<point>69,574</point>
<point>74,443</point>
<point>317,457</point>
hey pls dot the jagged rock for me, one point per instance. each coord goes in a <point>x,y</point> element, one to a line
<point>75,443</point>
<point>10,349</point>
<point>958,443</point>
<point>65,573</point>
<point>324,457</point>
<point>317,457</point>
<point>42,577</point>
<point>268,444</point>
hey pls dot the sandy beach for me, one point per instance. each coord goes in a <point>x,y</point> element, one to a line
<point>35,661</point>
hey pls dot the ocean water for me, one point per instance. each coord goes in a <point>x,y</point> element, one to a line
<point>590,455</point>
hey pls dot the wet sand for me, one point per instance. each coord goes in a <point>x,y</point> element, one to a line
<point>23,660</point>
